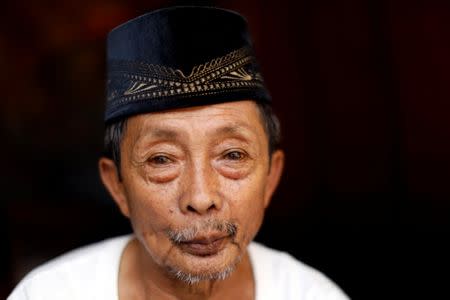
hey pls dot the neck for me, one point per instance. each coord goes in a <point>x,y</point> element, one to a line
<point>141,278</point>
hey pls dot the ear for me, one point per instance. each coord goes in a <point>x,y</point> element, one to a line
<point>110,178</point>
<point>274,176</point>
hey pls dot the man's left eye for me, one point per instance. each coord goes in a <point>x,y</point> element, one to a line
<point>234,155</point>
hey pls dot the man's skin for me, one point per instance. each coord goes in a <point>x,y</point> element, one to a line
<point>186,168</point>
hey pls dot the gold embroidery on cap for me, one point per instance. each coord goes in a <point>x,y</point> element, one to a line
<point>138,87</point>
<point>234,70</point>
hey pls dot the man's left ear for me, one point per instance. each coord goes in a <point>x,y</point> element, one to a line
<point>276,169</point>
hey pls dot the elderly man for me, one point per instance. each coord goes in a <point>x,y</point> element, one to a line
<point>192,160</point>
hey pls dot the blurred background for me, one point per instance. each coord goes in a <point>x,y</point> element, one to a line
<point>361,88</point>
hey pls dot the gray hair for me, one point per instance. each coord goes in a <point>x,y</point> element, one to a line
<point>192,279</point>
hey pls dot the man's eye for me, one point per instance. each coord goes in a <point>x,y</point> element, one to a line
<point>235,155</point>
<point>160,160</point>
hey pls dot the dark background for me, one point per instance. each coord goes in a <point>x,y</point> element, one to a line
<point>361,88</point>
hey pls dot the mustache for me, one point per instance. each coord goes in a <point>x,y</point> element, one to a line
<point>187,234</point>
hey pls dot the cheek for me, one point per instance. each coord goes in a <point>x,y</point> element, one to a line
<point>152,207</point>
<point>246,200</point>
<point>152,212</point>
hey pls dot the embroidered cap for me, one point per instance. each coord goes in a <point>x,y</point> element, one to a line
<point>180,57</point>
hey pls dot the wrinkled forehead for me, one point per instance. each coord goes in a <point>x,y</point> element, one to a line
<point>240,119</point>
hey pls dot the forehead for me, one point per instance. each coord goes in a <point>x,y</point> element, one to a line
<point>240,117</point>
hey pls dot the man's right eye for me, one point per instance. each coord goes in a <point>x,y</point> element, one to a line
<point>160,160</point>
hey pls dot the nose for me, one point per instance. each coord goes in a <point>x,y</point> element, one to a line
<point>201,195</point>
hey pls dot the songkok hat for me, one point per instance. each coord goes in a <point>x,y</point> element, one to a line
<point>180,57</point>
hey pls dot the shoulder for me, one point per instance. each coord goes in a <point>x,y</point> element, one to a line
<point>282,276</point>
<point>85,270</point>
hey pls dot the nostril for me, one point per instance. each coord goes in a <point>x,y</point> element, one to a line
<point>200,210</point>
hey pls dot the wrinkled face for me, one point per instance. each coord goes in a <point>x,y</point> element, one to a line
<point>196,183</point>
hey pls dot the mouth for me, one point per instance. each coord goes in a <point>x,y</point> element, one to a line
<point>205,245</point>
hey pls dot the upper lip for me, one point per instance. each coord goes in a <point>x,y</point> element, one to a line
<point>205,240</point>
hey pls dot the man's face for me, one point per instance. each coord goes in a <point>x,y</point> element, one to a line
<point>195,184</point>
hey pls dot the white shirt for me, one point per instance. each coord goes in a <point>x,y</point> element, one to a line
<point>91,273</point>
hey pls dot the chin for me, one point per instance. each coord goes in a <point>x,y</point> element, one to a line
<point>193,269</point>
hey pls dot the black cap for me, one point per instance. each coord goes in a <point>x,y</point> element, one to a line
<point>180,57</point>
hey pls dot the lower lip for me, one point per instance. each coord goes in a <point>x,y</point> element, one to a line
<point>198,249</point>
